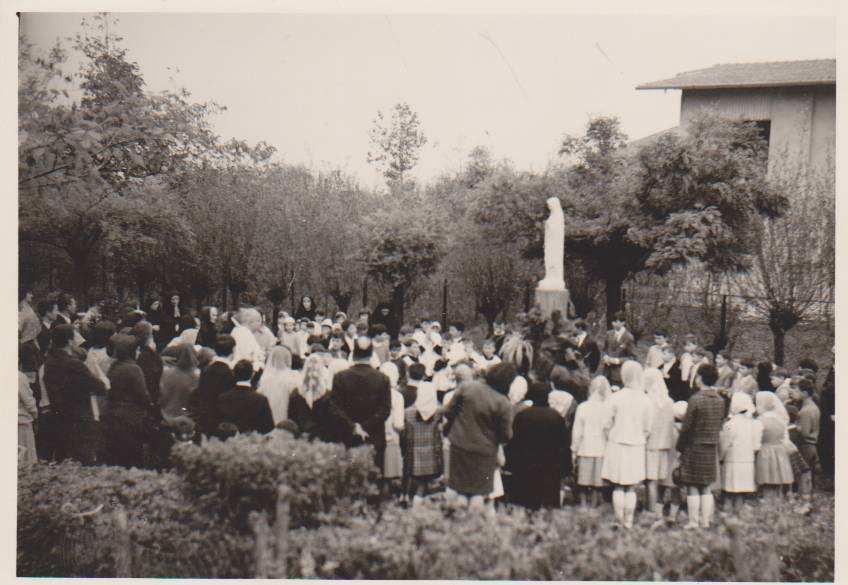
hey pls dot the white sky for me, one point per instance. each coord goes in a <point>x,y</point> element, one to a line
<point>311,84</point>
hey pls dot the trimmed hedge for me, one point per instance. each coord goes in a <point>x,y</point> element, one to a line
<point>168,536</point>
<point>235,477</point>
<point>438,541</point>
<point>191,523</point>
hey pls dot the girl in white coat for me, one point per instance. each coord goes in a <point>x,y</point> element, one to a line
<point>588,441</point>
<point>739,441</point>
<point>658,455</point>
<point>630,420</point>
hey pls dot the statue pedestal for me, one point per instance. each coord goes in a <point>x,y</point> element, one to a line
<point>553,300</point>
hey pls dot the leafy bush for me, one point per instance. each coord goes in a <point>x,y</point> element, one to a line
<point>241,475</point>
<point>439,541</point>
<point>169,537</point>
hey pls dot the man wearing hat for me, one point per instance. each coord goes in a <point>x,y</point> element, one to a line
<point>619,346</point>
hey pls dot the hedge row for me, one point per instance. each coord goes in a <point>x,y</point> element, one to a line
<point>191,523</point>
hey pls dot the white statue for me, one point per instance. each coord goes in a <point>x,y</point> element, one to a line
<point>554,248</point>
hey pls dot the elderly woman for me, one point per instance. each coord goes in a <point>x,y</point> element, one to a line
<point>479,421</point>
<point>698,446</point>
<point>538,442</point>
<point>278,381</point>
<point>629,423</point>
<point>130,422</point>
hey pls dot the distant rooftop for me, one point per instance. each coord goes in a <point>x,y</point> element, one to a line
<point>773,74</point>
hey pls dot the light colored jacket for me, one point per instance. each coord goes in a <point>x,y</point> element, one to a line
<point>630,417</point>
<point>662,429</point>
<point>588,438</point>
<point>740,438</point>
<point>27,410</point>
<point>395,422</point>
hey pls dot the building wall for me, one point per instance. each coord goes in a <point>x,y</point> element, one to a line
<point>803,120</point>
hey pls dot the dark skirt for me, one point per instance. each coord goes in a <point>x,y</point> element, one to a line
<point>471,473</point>
<point>698,465</point>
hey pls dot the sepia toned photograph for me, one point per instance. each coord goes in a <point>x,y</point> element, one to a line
<point>514,296</point>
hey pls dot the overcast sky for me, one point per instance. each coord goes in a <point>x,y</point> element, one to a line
<point>311,84</point>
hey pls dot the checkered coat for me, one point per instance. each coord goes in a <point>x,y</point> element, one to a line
<point>698,441</point>
<point>422,444</point>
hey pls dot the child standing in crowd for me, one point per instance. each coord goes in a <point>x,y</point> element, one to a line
<point>660,445</point>
<point>687,358</point>
<point>588,441</point>
<point>422,452</point>
<point>393,460</point>
<point>655,358</point>
<point>809,419</point>
<point>773,469</point>
<point>488,358</point>
<point>726,373</point>
<point>630,421</point>
<point>739,441</point>
<point>745,381</point>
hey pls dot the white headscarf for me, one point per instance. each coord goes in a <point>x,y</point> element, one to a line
<point>769,402</point>
<point>741,402</point>
<point>315,383</point>
<point>632,375</point>
<point>277,382</point>
<point>426,402</point>
<point>655,387</point>
<point>391,372</point>
<point>599,389</point>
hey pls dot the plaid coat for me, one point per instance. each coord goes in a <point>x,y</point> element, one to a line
<point>422,445</point>
<point>698,441</point>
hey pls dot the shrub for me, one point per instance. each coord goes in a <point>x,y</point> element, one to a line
<point>438,541</point>
<point>169,537</point>
<point>241,475</point>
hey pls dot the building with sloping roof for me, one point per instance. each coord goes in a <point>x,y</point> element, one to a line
<point>792,102</point>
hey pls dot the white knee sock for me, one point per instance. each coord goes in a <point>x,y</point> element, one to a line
<point>629,508</point>
<point>693,503</point>
<point>618,505</point>
<point>707,504</point>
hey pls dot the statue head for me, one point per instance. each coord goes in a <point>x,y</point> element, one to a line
<point>554,203</point>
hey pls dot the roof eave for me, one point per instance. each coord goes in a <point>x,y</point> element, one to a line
<point>739,85</point>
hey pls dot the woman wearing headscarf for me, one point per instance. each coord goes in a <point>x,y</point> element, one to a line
<point>479,421</point>
<point>661,440</point>
<point>773,469</point>
<point>130,422</point>
<point>422,442</point>
<point>629,423</point>
<point>536,452</point>
<point>739,441</point>
<point>307,404</point>
<point>698,446</point>
<point>179,381</point>
<point>278,381</point>
<point>154,317</point>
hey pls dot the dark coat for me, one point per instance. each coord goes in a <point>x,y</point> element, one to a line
<point>624,348</point>
<point>70,386</point>
<point>536,455</point>
<point>591,353</point>
<point>206,335</point>
<point>479,419</point>
<point>362,395</point>
<point>132,421</point>
<point>678,388</point>
<point>214,381</point>
<point>247,409</point>
<point>151,366</point>
<point>169,325</point>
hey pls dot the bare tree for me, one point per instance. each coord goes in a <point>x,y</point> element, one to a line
<point>794,265</point>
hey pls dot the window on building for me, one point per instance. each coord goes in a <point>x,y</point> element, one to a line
<point>764,126</point>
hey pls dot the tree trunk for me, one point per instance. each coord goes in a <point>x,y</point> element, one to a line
<point>398,299</point>
<point>779,334</point>
<point>614,286</point>
<point>79,262</point>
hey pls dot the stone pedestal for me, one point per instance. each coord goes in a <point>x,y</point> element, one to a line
<point>553,300</point>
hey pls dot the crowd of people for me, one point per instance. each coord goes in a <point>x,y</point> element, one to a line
<point>538,408</point>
